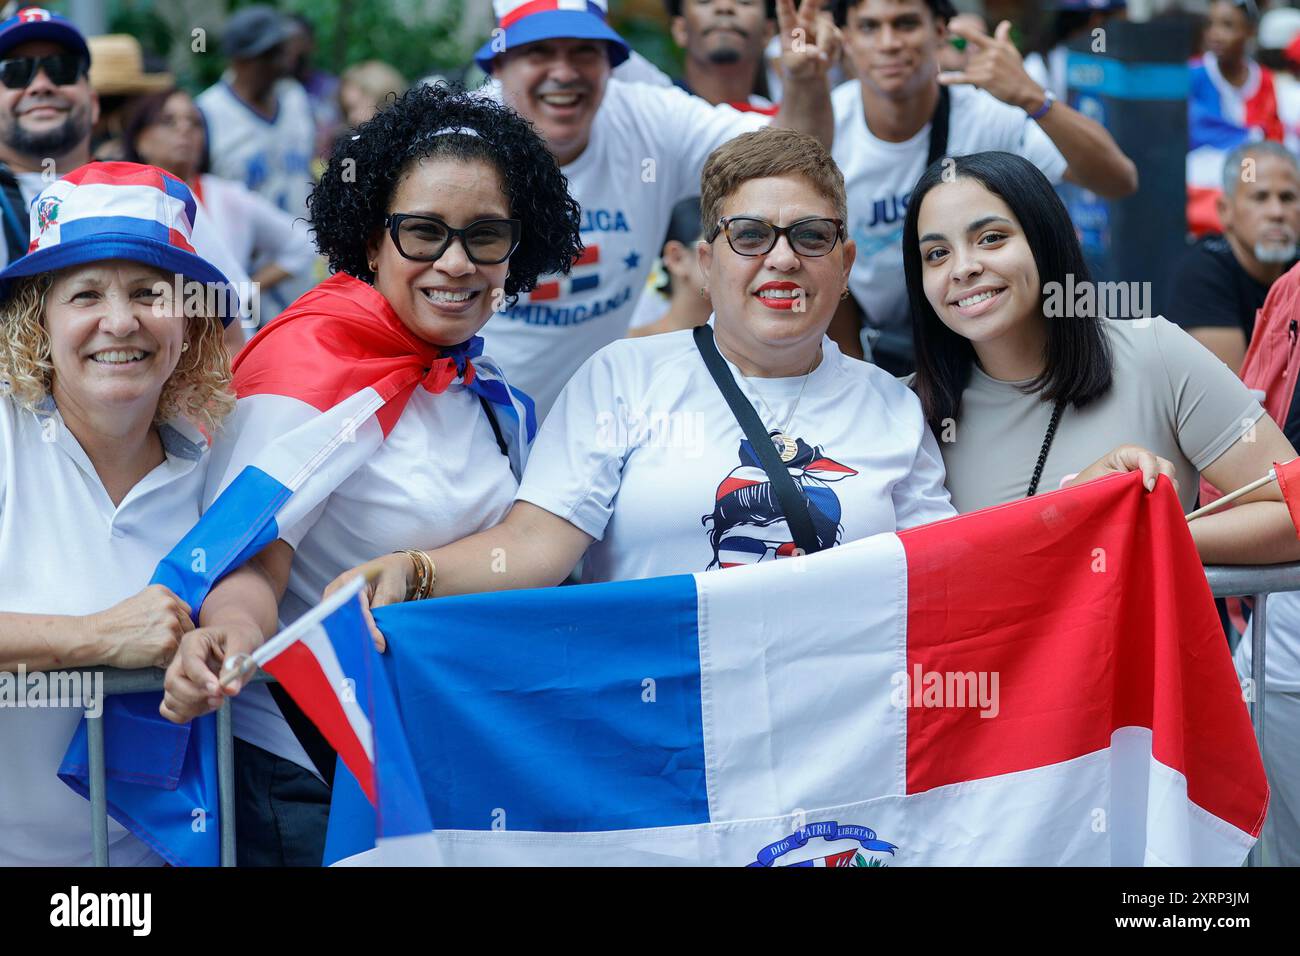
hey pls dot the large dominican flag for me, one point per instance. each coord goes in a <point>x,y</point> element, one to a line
<point>318,392</point>
<point>1041,683</point>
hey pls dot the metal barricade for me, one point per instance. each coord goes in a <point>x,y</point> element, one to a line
<point>139,681</point>
<point>1258,583</point>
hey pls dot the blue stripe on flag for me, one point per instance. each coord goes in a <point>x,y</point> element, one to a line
<point>511,707</point>
<point>240,523</point>
<point>97,226</point>
<point>402,806</point>
<point>157,798</point>
<point>583,283</point>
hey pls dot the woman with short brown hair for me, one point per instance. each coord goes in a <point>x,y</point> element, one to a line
<point>643,468</point>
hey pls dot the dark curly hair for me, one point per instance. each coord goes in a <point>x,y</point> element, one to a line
<point>350,202</point>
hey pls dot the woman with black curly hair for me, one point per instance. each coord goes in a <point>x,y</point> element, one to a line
<point>441,209</point>
<point>750,438</point>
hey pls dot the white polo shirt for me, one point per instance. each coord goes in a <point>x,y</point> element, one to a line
<point>66,549</point>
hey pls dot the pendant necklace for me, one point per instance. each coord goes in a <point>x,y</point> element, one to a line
<point>786,446</point>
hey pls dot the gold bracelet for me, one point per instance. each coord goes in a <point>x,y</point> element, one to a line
<point>426,574</point>
<point>414,588</point>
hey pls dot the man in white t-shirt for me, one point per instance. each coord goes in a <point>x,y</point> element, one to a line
<point>883,140</point>
<point>261,128</point>
<point>630,152</point>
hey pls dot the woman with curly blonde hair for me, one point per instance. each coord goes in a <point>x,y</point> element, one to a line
<point>107,386</point>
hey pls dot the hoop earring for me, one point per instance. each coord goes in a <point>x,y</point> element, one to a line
<point>185,346</point>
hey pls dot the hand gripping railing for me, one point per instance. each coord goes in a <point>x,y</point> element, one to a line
<point>138,681</point>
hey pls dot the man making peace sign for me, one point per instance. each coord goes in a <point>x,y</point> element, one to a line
<point>884,137</point>
<point>631,152</point>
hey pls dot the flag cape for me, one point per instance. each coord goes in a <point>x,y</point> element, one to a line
<point>319,390</point>
<point>788,712</point>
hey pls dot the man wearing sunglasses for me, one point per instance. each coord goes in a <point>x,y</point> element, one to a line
<point>47,110</point>
<point>631,152</point>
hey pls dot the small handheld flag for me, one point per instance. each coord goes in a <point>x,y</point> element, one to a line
<point>1287,477</point>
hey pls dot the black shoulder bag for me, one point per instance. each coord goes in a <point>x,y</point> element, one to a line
<point>793,504</point>
<point>939,127</point>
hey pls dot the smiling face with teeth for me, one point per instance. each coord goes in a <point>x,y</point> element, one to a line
<point>114,341</point>
<point>447,301</point>
<point>557,85</point>
<point>980,275</point>
<point>772,310</point>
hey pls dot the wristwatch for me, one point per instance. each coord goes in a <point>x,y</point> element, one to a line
<point>1048,99</point>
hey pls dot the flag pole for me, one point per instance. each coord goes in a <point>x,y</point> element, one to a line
<point>1240,492</point>
<point>239,666</point>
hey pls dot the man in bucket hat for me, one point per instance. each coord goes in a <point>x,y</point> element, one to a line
<point>631,152</point>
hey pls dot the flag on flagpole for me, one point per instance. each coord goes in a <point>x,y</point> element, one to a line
<point>318,392</point>
<point>1040,683</point>
<point>1288,479</point>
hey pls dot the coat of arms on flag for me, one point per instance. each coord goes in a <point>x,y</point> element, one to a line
<point>516,730</point>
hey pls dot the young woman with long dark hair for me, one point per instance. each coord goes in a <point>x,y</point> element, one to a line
<point>1026,381</point>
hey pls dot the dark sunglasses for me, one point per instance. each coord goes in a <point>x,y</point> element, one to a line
<point>748,236</point>
<point>63,69</point>
<point>486,242</point>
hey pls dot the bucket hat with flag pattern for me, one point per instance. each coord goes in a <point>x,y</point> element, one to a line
<point>104,211</point>
<point>527,21</point>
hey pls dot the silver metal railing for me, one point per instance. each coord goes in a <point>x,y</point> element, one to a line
<point>1256,582</point>
<point>139,681</point>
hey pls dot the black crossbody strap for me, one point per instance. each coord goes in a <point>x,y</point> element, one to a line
<point>793,504</point>
<point>939,127</point>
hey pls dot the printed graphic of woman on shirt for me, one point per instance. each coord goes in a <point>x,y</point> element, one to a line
<point>748,525</point>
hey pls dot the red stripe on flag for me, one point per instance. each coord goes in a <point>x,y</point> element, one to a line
<point>528,9</point>
<point>335,340</point>
<point>117,174</point>
<point>590,256</point>
<point>298,670</point>
<point>1126,635</point>
<point>1288,479</point>
<point>177,238</point>
<point>547,290</point>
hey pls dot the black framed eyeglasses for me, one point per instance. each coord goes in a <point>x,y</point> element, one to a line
<point>750,236</point>
<point>487,242</point>
<point>63,69</point>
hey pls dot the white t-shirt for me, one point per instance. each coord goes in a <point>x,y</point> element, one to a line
<point>438,477</point>
<point>1282,657</point>
<point>271,157</point>
<point>1052,73</point>
<point>258,234</point>
<point>879,177</point>
<point>648,145</point>
<point>68,550</point>
<point>643,453</point>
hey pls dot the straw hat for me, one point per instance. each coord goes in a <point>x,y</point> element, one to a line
<point>117,67</point>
